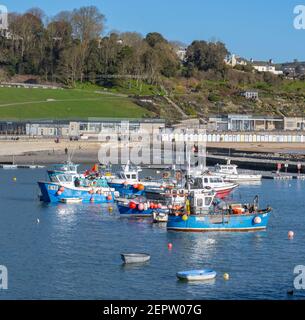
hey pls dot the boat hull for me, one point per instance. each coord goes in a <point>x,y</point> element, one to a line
<point>126,211</point>
<point>135,258</point>
<point>222,193</point>
<point>213,222</point>
<point>125,190</point>
<point>50,194</point>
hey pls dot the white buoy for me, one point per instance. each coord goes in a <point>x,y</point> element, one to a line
<point>38,221</point>
<point>290,235</point>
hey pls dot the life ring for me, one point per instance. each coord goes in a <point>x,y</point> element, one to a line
<point>166,175</point>
<point>178,175</point>
<point>257,220</point>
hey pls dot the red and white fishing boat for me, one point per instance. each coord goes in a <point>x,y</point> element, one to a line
<point>210,181</point>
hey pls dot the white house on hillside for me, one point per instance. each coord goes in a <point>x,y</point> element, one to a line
<point>181,53</point>
<point>235,60</point>
<point>262,66</point>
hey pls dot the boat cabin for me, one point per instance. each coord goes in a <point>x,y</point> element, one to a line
<point>206,181</point>
<point>129,174</point>
<point>62,178</point>
<point>226,169</point>
<point>200,202</point>
<point>68,167</point>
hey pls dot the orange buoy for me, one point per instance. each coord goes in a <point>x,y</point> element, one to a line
<point>141,187</point>
<point>109,198</point>
<point>170,246</point>
<point>237,210</point>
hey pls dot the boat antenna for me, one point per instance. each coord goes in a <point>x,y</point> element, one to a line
<point>188,171</point>
<point>70,156</point>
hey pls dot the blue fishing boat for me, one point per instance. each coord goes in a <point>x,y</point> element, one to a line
<point>127,182</point>
<point>231,217</point>
<point>65,186</point>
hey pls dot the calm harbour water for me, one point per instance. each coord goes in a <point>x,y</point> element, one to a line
<point>74,252</point>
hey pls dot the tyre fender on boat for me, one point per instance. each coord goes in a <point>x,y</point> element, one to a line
<point>257,220</point>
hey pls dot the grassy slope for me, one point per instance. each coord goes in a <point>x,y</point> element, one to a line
<point>68,104</point>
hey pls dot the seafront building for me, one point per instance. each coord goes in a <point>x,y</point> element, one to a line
<point>90,128</point>
<point>217,128</point>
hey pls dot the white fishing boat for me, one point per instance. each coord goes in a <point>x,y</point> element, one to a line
<point>9,166</point>
<point>230,173</point>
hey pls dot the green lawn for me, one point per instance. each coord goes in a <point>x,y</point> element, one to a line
<point>19,103</point>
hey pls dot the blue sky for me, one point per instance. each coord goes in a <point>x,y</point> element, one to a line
<point>259,29</point>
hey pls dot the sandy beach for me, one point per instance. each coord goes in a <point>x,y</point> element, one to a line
<point>47,151</point>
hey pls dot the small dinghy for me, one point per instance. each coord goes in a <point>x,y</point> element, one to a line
<point>135,257</point>
<point>197,275</point>
<point>71,200</point>
<point>159,217</point>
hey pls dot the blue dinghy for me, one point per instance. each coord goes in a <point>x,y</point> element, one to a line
<point>197,275</point>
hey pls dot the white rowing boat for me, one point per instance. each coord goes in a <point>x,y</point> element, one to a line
<point>197,275</point>
<point>71,200</point>
<point>135,257</point>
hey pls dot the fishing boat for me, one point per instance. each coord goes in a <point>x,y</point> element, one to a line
<point>128,182</point>
<point>219,217</point>
<point>209,181</point>
<point>230,173</point>
<point>72,186</point>
<point>139,207</point>
<point>197,275</point>
<point>205,181</point>
<point>9,166</point>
